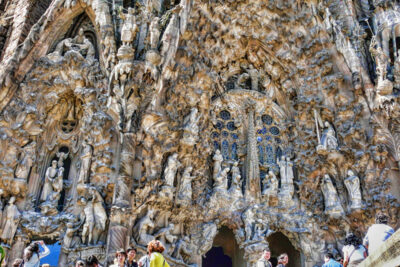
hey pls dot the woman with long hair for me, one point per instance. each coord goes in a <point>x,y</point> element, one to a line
<point>353,251</point>
<point>155,248</point>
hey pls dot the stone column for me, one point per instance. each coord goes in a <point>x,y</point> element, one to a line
<point>118,236</point>
<point>253,187</point>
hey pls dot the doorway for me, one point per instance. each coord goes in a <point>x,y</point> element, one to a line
<point>225,251</point>
<point>278,244</point>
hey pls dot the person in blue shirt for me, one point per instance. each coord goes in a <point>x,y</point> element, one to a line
<point>330,262</point>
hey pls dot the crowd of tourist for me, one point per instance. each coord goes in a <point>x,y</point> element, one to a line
<point>354,252</point>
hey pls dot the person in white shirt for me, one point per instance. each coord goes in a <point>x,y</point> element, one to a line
<point>353,252</point>
<point>264,260</point>
<point>377,233</point>
<point>32,254</point>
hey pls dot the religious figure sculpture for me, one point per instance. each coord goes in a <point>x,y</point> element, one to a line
<point>10,220</point>
<point>87,216</point>
<point>129,27</point>
<point>51,173</point>
<point>286,172</point>
<point>154,33</point>
<point>100,215</point>
<point>332,201</point>
<point>236,186</point>
<point>166,237</point>
<point>249,220</point>
<point>86,160</point>
<point>191,127</point>
<point>328,138</point>
<point>184,196</point>
<point>352,183</point>
<point>171,169</point>
<point>221,181</point>
<point>144,228</point>
<point>218,158</point>
<point>272,190</point>
<point>79,43</point>
<point>26,161</point>
<point>69,235</point>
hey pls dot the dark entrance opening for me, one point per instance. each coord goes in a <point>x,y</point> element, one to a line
<point>225,251</point>
<point>279,244</point>
<point>216,257</point>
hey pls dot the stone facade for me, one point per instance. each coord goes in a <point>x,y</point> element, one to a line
<point>127,121</point>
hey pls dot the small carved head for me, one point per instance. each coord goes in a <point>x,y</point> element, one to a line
<point>54,163</point>
<point>350,173</point>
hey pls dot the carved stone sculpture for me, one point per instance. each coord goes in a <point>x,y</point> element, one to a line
<point>144,227</point>
<point>87,216</point>
<point>332,201</point>
<point>26,161</point>
<point>86,160</point>
<point>171,169</point>
<point>191,127</point>
<point>79,44</point>
<point>221,182</point>
<point>154,33</point>
<point>69,239</point>
<point>217,163</point>
<point>10,220</point>
<point>352,183</point>
<point>328,138</point>
<point>100,215</point>
<point>129,27</point>
<point>184,196</point>
<point>286,173</point>
<point>272,189</point>
<point>236,186</point>
<point>249,220</point>
<point>50,175</point>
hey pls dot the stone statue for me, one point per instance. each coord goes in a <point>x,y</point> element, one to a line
<point>381,60</point>
<point>352,183</point>
<point>171,169</point>
<point>396,72</point>
<point>51,173</point>
<point>154,33</point>
<point>191,127</point>
<point>129,27</point>
<point>26,160</point>
<point>144,228</point>
<point>221,181</point>
<point>286,172</point>
<point>217,163</point>
<point>248,218</point>
<point>68,239</point>
<point>272,190</point>
<point>87,216</point>
<point>184,196</point>
<point>332,201</point>
<point>166,237</point>
<point>86,160</point>
<point>79,43</point>
<point>10,220</point>
<point>58,184</point>
<point>100,215</point>
<point>328,138</point>
<point>236,186</point>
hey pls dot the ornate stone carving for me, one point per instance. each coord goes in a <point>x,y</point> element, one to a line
<point>332,202</point>
<point>10,220</point>
<point>184,196</point>
<point>352,183</point>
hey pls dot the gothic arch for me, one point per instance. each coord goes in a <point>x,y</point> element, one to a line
<point>52,26</point>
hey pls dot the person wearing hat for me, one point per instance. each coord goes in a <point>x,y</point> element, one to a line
<point>80,263</point>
